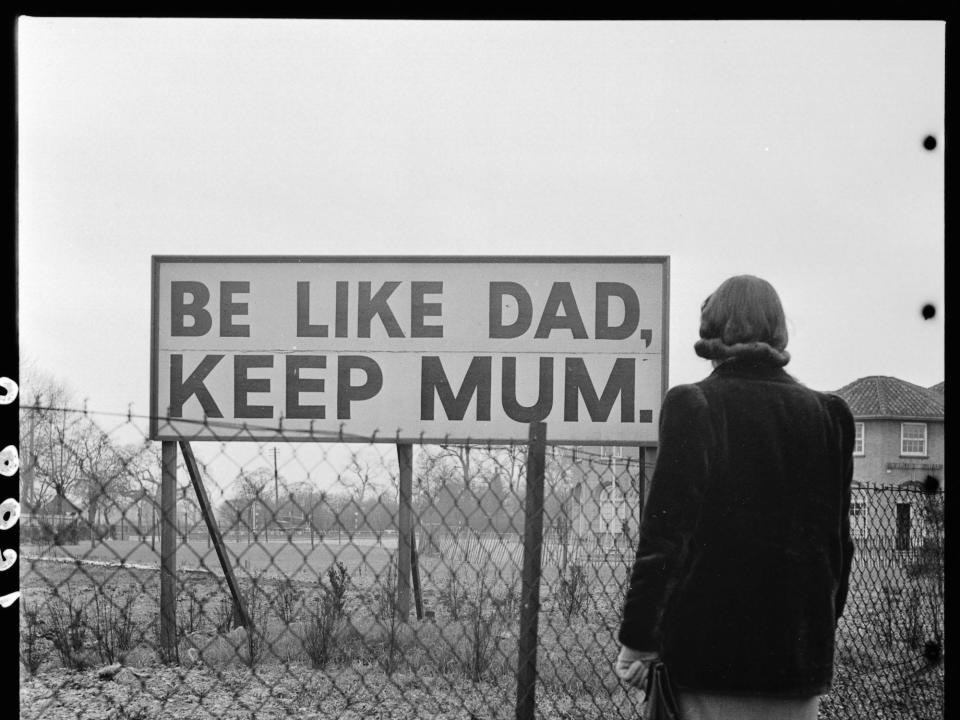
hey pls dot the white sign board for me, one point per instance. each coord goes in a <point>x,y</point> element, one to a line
<point>409,349</point>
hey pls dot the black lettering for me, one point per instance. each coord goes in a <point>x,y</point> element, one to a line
<point>420,309</point>
<point>476,381</point>
<point>578,383</point>
<point>180,309</point>
<point>297,385</point>
<point>631,311</point>
<point>181,391</point>
<point>343,300</point>
<point>561,294</point>
<point>347,393</point>
<point>228,308</point>
<point>498,290</point>
<point>304,328</point>
<point>243,385</point>
<point>368,307</point>
<point>539,410</point>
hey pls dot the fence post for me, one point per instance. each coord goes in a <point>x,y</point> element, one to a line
<point>213,531</point>
<point>530,586</point>
<point>405,527</point>
<point>168,552</point>
<point>415,574</point>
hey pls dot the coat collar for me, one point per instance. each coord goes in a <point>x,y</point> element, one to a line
<point>753,369</point>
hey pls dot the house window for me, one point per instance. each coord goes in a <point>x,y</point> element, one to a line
<point>913,439</point>
<point>858,519</point>
<point>858,439</point>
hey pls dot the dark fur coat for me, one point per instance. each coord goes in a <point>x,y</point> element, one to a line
<point>744,554</point>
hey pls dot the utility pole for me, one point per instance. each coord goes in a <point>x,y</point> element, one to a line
<point>276,489</point>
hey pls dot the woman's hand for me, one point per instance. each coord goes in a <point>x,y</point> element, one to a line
<point>632,665</point>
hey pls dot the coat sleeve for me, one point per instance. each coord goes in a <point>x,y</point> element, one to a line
<point>670,514</point>
<point>847,432</point>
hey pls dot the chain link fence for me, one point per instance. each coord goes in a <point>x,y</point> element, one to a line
<point>309,602</point>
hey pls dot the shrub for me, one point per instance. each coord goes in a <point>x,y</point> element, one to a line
<point>225,616</point>
<point>572,591</point>
<point>506,602</point>
<point>388,608</point>
<point>193,619</point>
<point>913,622</point>
<point>452,596</point>
<point>889,604</point>
<point>286,599</point>
<point>113,625</point>
<point>385,596</point>
<point>926,568</point>
<point>323,620</point>
<point>33,652</point>
<point>481,633</point>
<point>258,611</point>
<point>66,629</point>
<point>318,630</point>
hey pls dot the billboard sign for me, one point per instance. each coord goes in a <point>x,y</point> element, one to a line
<point>408,349</point>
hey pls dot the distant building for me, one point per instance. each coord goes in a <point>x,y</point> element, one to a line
<point>48,519</point>
<point>290,515</point>
<point>900,442</point>
<point>900,430</point>
<point>605,511</point>
<point>59,511</point>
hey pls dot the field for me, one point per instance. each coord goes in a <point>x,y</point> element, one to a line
<point>461,662</point>
<point>470,640</point>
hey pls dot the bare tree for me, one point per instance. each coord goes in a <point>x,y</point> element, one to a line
<point>509,463</point>
<point>460,455</point>
<point>251,497</point>
<point>431,474</point>
<point>48,468</point>
<point>369,471</point>
<point>101,474</point>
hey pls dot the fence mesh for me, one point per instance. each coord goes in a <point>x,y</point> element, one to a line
<point>327,628</point>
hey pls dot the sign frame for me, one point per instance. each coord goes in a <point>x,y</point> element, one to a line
<point>265,433</point>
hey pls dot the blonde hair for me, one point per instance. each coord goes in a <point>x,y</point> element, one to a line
<point>743,318</point>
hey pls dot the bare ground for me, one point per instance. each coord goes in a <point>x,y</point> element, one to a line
<point>349,693</point>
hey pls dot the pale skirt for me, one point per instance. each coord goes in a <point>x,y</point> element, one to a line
<point>708,706</point>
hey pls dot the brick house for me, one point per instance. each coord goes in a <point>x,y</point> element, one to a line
<point>900,445</point>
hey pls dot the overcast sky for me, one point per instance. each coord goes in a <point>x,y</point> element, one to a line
<point>793,151</point>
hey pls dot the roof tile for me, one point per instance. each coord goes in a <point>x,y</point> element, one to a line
<point>884,396</point>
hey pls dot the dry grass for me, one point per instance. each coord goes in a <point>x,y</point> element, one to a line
<point>873,671</point>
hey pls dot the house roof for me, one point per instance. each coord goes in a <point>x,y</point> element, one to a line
<point>58,505</point>
<point>881,396</point>
<point>939,387</point>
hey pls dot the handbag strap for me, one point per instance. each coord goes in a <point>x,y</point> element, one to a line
<point>667,686</point>
<point>648,685</point>
<point>660,695</point>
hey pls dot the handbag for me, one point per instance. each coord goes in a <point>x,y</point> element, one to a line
<point>661,702</point>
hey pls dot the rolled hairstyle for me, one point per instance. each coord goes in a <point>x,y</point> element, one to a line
<point>743,318</point>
